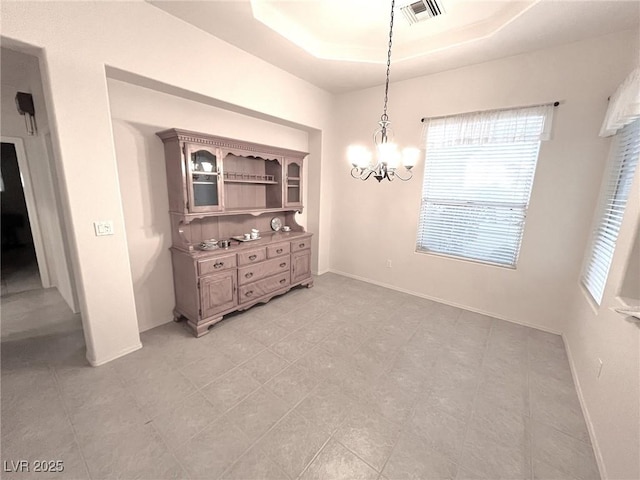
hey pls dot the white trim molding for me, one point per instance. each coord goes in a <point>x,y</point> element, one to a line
<point>125,351</point>
<point>445,302</point>
<point>583,406</point>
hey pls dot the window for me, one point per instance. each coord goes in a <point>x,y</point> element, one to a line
<point>613,200</point>
<point>478,174</point>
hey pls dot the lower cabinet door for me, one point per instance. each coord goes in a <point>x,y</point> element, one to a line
<point>300,265</point>
<point>217,293</point>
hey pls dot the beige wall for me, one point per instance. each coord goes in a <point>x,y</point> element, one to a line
<point>150,44</point>
<point>581,76</point>
<point>21,72</point>
<point>137,114</point>
<point>592,333</point>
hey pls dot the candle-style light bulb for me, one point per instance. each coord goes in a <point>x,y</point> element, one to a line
<point>410,157</point>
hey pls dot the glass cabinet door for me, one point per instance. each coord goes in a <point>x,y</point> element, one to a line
<point>293,184</point>
<point>204,179</point>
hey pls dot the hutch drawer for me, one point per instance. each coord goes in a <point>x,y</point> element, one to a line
<point>217,264</point>
<point>302,244</point>
<point>247,293</point>
<point>252,256</point>
<point>251,273</point>
<point>278,249</point>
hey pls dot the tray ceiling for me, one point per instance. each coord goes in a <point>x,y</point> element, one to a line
<point>340,45</point>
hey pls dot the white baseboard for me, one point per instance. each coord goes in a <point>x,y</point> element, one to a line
<point>326,270</point>
<point>121,353</point>
<point>446,302</point>
<point>592,436</point>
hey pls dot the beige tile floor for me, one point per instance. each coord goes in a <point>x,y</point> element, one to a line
<point>342,381</point>
<point>35,313</point>
<point>28,310</point>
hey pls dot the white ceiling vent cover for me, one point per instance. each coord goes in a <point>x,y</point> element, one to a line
<point>421,10</point>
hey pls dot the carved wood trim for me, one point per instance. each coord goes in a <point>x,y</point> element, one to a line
<point>230,144</point>
<point>190,217</point>
<point>250,153</point>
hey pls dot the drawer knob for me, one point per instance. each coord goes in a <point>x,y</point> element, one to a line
<point>248,275</point>
<point>249,293</point>
<point>252,257</point>
<point>283,264</point>
<point>279,250</point>
<point>301,245</point>
<point>218,265</point>
<point>284,280</point>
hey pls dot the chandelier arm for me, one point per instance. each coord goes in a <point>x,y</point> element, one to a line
<point>404,179</point>
<point>368,172</point>
<point>358,172</point>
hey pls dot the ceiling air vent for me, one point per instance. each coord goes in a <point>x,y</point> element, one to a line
<point>421,10</point>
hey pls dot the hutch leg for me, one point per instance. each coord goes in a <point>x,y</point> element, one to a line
<point>202,329</point>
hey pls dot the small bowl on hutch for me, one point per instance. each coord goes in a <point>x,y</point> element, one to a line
<point>209,244</point>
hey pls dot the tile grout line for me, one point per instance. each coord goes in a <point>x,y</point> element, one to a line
<point>66,412</point>
<point>278,422</point>
<point>316,455</point>
<point>238,367</point>
<point>529,403</point>
<point>170,450</point>
<point>404,426</point>
<point>458,461</point>
<point>219,377</point>
<point>151,418</point>
<point>553,427</point>
<point>379,472</point>
<point>332,432</point>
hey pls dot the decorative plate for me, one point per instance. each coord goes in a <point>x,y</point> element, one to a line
<point>276,223</point>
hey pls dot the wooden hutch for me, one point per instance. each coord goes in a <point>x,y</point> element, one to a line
<point>222,188</point>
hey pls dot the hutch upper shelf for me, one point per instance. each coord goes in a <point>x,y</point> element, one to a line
<point>211,175</point>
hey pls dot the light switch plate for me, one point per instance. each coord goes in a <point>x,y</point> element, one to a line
<point>104,227</point>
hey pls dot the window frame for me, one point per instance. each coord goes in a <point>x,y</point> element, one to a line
<point>527,149</point>
<point>615,174</point>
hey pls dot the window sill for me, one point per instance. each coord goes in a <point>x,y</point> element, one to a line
<point>464,259</point>
<point>595,307</point>
<point>629,308</point>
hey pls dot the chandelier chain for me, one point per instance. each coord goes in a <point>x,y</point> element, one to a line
<point>389,159</point>
<point>384,116</point>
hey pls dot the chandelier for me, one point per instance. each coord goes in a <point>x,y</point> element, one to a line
<point>389,159</point>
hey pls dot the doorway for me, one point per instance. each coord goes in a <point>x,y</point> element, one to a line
<point>20,269</point>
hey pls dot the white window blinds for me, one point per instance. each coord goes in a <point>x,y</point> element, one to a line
<point>479,171</point>
<point>613,201</point>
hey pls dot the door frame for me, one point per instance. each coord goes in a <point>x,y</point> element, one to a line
<point>32,210</point>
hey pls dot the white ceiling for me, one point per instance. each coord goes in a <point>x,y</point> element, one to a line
<point>341,45</point>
